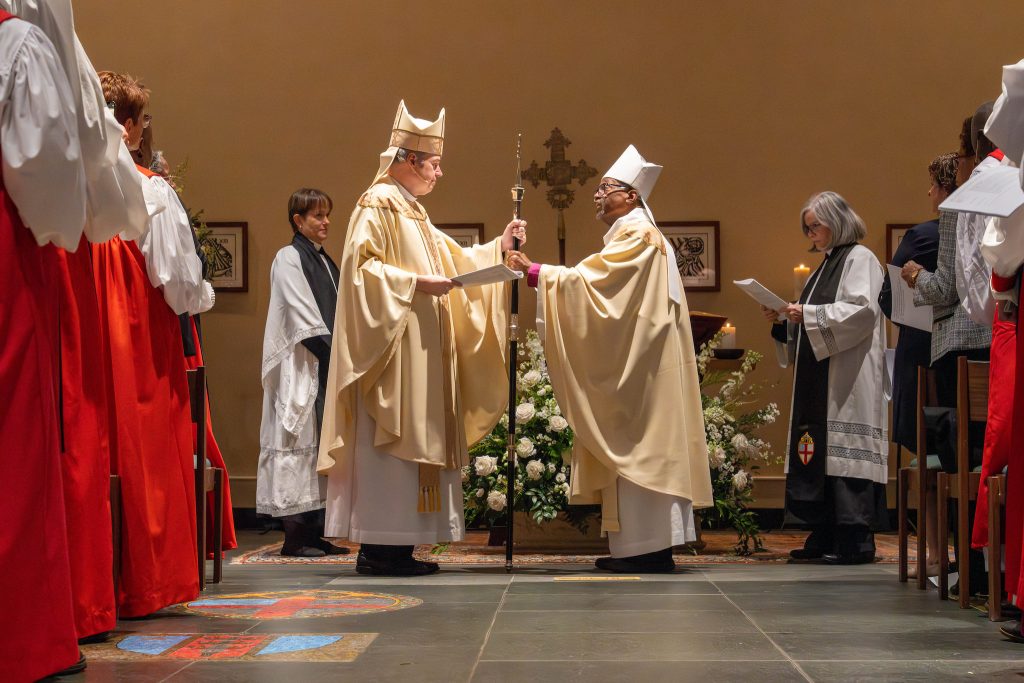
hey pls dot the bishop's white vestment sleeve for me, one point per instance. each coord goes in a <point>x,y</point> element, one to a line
<point>842,325</point>
<point>42,162</point>
<point>1003,249</point>
<point>171,259</point>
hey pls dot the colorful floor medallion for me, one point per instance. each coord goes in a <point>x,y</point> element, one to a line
<point>293,647</point>
<point>298,604</point>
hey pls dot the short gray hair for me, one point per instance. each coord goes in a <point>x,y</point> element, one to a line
<point>832,210</point>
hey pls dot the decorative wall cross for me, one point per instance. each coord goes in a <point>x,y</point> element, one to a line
<point>558,173</point>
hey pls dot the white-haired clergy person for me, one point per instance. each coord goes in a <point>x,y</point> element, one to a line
<point>634,400</point>
<point>837,450</point>
<point>42,206</point>
<point>417,368</point>
<point>1003,248</point>
<point>296,360</point>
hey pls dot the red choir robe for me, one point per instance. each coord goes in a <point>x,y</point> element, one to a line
<point>151,433</point>
<point>86,448</point>
<point>37,629</point>
<point>216,458</point>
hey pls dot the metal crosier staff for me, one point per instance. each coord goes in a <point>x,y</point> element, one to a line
<point>513,344</point>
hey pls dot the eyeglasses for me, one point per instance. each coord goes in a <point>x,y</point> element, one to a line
<point>814,227</point>
<point>605,189</point>
<point>146,120</point>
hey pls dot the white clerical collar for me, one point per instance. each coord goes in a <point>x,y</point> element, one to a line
<point>634,216</point>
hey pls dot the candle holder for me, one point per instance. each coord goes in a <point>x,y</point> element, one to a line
<point>728,354</point>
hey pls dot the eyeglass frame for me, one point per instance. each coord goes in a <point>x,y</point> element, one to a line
<point>604,189</point>
<point>146,120</point>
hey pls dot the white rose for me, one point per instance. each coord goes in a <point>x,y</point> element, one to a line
<point>524,412</point>
<point>480,493</point>
<point>557,423</point>
<point>531,378</point>
<point>739,442</point>
<point>740,480</point>
<point>465,474</point>
<point>524,448</point>
<point>496,501</point>
<point>485,465</point>
<point>551,467</point>
<point>716,456</point>
<point>560,478</point>
<point>564,488</point>
<point>534,469</point>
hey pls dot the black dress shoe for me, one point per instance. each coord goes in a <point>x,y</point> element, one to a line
<point>627,565</point>
<point>76,668</point>
<point>304,551</point>
<point>331,549</point>
<point>805,554</point>
<point>101,637</point>
<point>398,567</point>
<point>1011,630</point>
<point>853,558</point>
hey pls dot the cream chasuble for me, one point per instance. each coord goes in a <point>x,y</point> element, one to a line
<point>622,365</point>
<point>427,373</point>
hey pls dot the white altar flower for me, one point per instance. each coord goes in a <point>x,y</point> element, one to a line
<point>564,488</point>
<point>534,469</point>
<point>496,501</point>
<point>524,413</point>
<point>560,478</point>
<point>740,443</point>
<point>530,378</point>
<point>525,448</point>
<point>716,456</point>
<point>557,423</point>
<point>551,467</point>
<point>465,474</point>
<point>485,465</point>
<point>480,493</point>
<point>740,480</point>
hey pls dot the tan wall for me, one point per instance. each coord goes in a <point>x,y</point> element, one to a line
<point>751,106</point>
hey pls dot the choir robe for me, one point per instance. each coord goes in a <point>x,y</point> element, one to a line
<point>294,381</point>
<point>114,204</point>
<point>414,379</point>
<point>142,285</point>
<point>1003,248</point>
<point>40,158</point>
<point>837,449</point>
<point>633,400</point>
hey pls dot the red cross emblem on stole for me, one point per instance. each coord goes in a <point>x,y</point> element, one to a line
<point>805,449</point>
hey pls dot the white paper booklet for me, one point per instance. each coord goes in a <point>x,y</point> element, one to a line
<point>761,294</point>
<point>904,311</point>
<point>488,276</point>
<point>996,192</point>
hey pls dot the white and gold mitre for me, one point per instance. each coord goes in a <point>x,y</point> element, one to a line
<point>416,134</point>
<point>635,171</point>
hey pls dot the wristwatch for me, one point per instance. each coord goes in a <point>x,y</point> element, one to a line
<point>913,277</point>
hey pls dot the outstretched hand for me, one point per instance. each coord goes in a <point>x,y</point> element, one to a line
<point>517,260</point>
<point>434,285</point>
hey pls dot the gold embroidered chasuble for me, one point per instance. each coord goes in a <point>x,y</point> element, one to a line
<point>430,370</point>
<point>624,372</point>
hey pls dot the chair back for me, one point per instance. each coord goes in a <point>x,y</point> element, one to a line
<point>971,405</point>
<point>926,398</point>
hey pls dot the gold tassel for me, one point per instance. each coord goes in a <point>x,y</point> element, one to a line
<point>429,489</point>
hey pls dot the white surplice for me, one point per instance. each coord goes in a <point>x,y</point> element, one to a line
<point>851,333</point>
<point>286,478</point>
<point>973,274</point>
<point>649,521</point>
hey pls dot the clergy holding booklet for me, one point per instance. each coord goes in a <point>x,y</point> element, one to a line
<point>838,447</point>
<point>634,399</point>
<point>418,364</point>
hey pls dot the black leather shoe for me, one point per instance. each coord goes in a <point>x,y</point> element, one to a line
<point>304,551</point>
<point>855,558</point>
<point>401,567</point>
<point>101,637</point>
<point>1011,630</point>
<point>625,565</point>
<point>805,554</point>
<point>76,668</point>
<point>331,549</point>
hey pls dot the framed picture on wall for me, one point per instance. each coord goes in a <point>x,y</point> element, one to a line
<point>696,246</point>
<point>466,234</point>
<point>894,233</point>
<point>226,245</point>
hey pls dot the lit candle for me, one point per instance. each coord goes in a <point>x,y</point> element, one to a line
<point>800,275</point>
<point>728,336</point>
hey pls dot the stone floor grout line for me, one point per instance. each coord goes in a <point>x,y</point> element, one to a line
<point>490,628</point>
<point>176,672</point>
<point>771,640</point>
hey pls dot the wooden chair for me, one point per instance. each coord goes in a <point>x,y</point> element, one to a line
<point>971,406</point>
<point>996,504</point>
<point>207,479</point>
<point>918,479</point>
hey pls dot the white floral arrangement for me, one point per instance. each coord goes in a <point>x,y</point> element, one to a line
<point>735,453</point>
<point>543,443</point>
